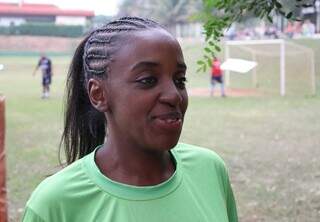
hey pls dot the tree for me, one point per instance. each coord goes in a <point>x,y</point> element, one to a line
<point>166,12</point>
<point>218,15</point>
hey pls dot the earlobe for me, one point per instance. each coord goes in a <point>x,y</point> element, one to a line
<point>97,95</point>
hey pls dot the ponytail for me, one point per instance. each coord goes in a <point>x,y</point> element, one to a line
<point>84,126</point>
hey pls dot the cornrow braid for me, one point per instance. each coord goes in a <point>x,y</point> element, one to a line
<point>99,47</point>
<point>84,126</point>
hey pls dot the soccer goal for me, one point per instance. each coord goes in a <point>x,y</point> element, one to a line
<point>283,67</point>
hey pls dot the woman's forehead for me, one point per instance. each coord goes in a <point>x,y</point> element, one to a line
<point>154,39</point>
<point>155,46</point>
<point>152,33</point>
<point>150,37</point>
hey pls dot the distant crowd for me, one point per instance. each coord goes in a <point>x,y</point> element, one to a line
<point>292,30</point>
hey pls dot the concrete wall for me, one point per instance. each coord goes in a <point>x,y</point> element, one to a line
<point>37,44</point>
<point>67,20</point>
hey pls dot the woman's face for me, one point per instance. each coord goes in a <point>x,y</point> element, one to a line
<point>146,93</point>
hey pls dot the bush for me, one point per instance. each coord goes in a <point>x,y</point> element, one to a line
<point>41,29</point>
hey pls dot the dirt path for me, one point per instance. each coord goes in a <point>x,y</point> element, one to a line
<point>229,92</point>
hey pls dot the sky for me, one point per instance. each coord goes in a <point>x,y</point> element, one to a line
<point>100,7</point>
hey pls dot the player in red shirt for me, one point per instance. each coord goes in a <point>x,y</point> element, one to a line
<point>216,76</point>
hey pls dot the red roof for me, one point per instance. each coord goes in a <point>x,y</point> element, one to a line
<point>14,9</point>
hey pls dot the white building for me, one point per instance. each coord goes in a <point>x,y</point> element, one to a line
<point>313,14</point>
<point>17,14</point>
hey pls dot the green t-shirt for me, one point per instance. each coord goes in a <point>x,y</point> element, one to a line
<point>198,191</point>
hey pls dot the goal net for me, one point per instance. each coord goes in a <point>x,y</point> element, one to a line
<point>284,67</point>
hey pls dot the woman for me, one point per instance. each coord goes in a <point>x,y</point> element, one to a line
<point>126,91</point>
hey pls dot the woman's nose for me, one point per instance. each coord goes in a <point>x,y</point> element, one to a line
<point>171,95</point>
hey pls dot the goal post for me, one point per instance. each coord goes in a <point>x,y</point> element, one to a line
<point>269,50</point>
<point>282,68</point>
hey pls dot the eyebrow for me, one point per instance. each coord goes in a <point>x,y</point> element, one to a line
<point>144,64</point>
<point>151,64</point>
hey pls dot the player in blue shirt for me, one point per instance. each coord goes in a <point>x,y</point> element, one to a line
<point>45,65</point>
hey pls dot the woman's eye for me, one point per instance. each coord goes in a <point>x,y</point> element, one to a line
<point>180,82</point>
<point>147,81</point>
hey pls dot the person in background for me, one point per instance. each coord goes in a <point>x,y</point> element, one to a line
<point>125,107</point>
<point>290,30</point>
<point>297,26</point>
<point>308,28</point>
<point>217,76</point>
<point>271,32</point>
<point>46,68</point>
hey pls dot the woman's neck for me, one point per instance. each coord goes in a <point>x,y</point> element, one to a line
<point>134,166</point>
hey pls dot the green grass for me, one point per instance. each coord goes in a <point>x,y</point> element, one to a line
<point>270,144</point>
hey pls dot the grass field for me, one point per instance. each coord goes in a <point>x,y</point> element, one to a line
<point>270,144</point>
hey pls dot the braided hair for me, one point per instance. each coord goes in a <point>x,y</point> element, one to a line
<point>84,126</point>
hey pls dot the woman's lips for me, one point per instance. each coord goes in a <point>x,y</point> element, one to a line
<point>170,121</point>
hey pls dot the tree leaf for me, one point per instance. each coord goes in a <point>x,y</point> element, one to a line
<point>289,15</point>
<point>207,49</point>
<point>217,48</point>
<point>278,4</point>
<point>211,43</point>
<point>200,62</point>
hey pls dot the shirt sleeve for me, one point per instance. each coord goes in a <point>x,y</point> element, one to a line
<point>231,206</point>
<point>31,216</point>
<point>230,200</point>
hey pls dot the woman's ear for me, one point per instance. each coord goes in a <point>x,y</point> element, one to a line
<point>97,94</point>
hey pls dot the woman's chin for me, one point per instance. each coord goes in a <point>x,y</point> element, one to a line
<point>164,144</point>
